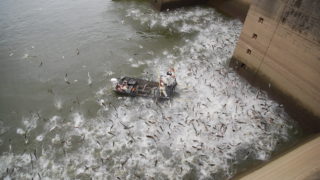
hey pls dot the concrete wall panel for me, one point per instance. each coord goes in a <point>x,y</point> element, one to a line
<point>286,49</point>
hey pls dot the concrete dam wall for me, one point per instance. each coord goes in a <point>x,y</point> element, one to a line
<point>280,41</point>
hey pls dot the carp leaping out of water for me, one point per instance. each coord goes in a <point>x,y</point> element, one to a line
<point>66,79</point>
<point>89,79</point>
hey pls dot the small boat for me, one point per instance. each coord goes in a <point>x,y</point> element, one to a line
<point>129,86</point>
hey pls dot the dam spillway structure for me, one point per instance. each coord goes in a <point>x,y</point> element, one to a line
<point>280,42</point>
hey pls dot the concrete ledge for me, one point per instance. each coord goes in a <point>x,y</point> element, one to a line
<point>301,163</point>
<point>233,8</point>
<point>171,4</point>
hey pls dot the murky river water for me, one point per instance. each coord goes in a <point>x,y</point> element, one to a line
<point>60,119</point>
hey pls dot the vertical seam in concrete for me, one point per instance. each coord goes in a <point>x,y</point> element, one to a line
<point>265,53</point>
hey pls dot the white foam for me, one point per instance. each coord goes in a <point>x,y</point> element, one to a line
<point>135,65</point>
<point>114,80</point>
<point>39,138</point>
<point>109,73</point>
<point>78,119</point>
<point>7,178</point>
<point>25,56</point>
<point>20,131</point>
<point>30,122</point>
<point>56,139</point>
<point>101,92</point>
<point>3,128</point>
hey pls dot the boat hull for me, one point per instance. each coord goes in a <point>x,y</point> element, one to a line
<point>143,88</point>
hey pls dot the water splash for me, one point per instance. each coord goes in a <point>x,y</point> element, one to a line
<point>215,122</point>
<point>89,79</point>
<point>58,103</point>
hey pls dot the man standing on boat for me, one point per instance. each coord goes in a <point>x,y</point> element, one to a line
<point>162,88</point>
<point>168,81</point>
<point>171,81</point>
